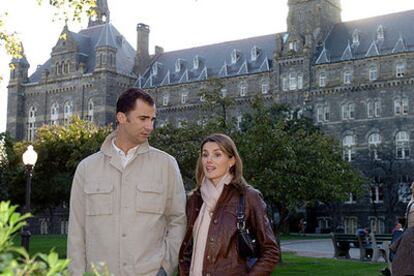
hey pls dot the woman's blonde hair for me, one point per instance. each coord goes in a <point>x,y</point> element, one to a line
<point>229,148</point>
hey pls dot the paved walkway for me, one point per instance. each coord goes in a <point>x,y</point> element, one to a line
<point>319,248</point>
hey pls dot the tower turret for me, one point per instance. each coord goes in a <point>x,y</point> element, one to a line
<point>101,14</point>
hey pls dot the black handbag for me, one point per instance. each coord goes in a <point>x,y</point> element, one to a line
<point>247,245</point>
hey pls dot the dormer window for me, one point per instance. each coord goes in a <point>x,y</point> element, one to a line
<point>355,38</point>
<point>235,56</point>
<point>254,53</point>
<point>155,68</point>
<point>293,46</point>
<point>165,99</point>
<point>196,62</point>
<point>179,65</point>
<point>380,33</point>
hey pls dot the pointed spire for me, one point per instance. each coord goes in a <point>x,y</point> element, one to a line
<point>106,39</point>
<point>101,15</point>
<point>22,59</point>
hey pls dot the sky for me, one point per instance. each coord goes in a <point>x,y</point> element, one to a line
<point>174,24</point>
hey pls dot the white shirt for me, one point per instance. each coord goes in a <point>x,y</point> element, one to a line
<point>125,158</point>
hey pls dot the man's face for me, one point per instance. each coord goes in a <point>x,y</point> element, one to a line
<point>137,124</point>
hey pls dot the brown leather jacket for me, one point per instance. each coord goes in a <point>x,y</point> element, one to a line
<point>221,256</point>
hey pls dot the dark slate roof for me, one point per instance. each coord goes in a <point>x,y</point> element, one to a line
<point>90,38</point>
<point>398,37</point>
<point>214,61</point>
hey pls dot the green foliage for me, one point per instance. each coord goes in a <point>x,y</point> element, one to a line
<point>14,260</point>
<point>60,149</point>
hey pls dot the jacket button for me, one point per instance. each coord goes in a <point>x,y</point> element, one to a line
<point>212,239</point>
<point>208,257</point>
<point>181,260</point>
<point>215,221</point>
<point>208,274</point>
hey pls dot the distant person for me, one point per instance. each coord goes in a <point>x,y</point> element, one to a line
<point>210,243</point>
<point>403,248</point>
<point>127,205</point>
<point>302,226</point>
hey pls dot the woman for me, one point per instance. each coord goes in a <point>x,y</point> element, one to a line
<point>210,242</point>
<point>403,248</point>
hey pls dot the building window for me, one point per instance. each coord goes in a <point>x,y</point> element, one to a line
<point>404,191</point>
<point>178,65</point>
<point>350,224</point>
<point>235,56</point>
<point>348,144</point>
<point>370,109</point>
<point>243,90</point>
<point>254,53</point>
<point>355,38</point>
<point>377,225</point>
<point>165,99</point>
<point>374,140</point>
<point>184,97</point>
<point>67,112</point>
<point>400,70</point>
<point>347,77</point>
<point>31,129</point>
<point>292,81</point>
<point>300,80</point>
<point>377,108</point>
<point>380,33</point>
<point>402,145</point>
<point>326,113</point>
<point>223,92</point>
<point>265,88</point>
<point>65,67</point>
<point>324,224</point>
<point>351,199</point>
<point>154,69</point>
<point>90,110</point>
<point>401,106</point>
<point>196,62</point>
<point>373,73</point>
<point>322,79</point>
<point>319,114</point>
<point>348,111</point>
<point>239,120</point>
<point>54,114</point>
<point>285,83</point>
<point>377,190</point>
<point>293,46</point>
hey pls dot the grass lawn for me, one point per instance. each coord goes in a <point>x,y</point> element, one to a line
<point>292,264</point>
<point>297,265</point>
<point>44,243</point>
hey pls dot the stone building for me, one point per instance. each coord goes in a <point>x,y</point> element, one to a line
<point>354,78</point>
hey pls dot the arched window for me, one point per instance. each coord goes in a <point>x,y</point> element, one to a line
<point>54,114</point>
<point>322,79</point>
<point>374,140</point>
<point>31,129</point>
<point>402,145</point>
<point>380,33</point>
<point>67,112</point>
<point>348,144</point>
<point>373,73</point>
<point>90,110</point>
<point>243,89</point>
<point>66,67</point>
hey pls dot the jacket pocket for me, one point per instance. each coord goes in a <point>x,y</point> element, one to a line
<point>99,199</point>
<point>149,198</point>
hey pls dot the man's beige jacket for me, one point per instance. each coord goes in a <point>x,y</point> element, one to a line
<point>132,219</point>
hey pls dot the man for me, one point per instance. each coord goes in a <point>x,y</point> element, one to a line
<point>127,206</point>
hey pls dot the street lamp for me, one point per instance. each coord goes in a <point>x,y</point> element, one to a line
<point>29,160</point>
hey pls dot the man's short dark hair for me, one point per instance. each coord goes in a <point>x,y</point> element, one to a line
<point>126,101</point>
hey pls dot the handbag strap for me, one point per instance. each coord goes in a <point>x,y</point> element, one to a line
<point>241,219</point>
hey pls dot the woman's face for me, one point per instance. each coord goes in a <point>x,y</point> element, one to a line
<point>215,162</point>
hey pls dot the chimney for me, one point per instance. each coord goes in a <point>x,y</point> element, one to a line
<point>142,57</point>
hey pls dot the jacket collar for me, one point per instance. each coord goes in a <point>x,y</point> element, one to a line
<point>109,151</point>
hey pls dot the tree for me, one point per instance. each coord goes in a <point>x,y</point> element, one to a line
<point>385,172</point>
<point>65,10</point>
<point>60,149</point>
<point>291,161</point>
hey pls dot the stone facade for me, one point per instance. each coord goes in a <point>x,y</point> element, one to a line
<point>354,78</point>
